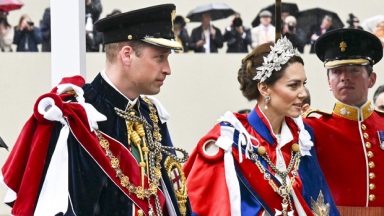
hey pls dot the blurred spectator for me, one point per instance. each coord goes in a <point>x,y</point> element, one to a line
<point>265,31</point>
<point>6,33</point>
<point>94,8</point>
<point>238,37</point>
<point>234,16</point>
<point>378,98</point>
<point>27,36</point>
<point>181,33</point>
<point>379,31</point>
<point>45,28</point>
<point>354,22</point>
<point>317,30</point>
<point>93,39</point>
<point>296,36</point>
<point>306,102</point>
<point>206,38</point>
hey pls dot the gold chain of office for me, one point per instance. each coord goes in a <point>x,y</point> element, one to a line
<point>293,166</point>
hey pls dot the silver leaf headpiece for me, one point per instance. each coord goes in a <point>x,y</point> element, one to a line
<point>280,53</point>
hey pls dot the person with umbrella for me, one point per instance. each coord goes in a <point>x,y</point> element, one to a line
<point>350,140</point>
<point>317,30</point>
<point>206,38</point>
<point>265,31</point>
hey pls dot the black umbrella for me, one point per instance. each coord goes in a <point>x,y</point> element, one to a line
<point>2,144</point>
<point>307,18</point>
<point>216,10</point>
<point>291,8</point>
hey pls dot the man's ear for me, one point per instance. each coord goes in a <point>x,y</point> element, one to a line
<point>126,53</point>
<point>372,80</point>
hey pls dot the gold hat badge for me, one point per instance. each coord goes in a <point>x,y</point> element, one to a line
<point>343,46</point>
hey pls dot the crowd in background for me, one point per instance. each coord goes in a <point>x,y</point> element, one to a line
<point>27,36</point>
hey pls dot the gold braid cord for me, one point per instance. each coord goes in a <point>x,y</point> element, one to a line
<point>173,167</point>
<point>147,139</point>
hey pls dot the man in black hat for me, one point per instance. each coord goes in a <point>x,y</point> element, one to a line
<point>350,141</point>
<point>103,148</point>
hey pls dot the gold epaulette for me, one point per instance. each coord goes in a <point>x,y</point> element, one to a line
<point>314,113</point>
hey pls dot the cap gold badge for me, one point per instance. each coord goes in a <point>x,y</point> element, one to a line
<point>343,46</point>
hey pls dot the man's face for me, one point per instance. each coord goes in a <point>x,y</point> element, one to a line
<point>350,84</point>
<point>379,103</point>
<point>326,23</point>
<point>206,20</point>
<point>149,70</point>
<point>265,20</point>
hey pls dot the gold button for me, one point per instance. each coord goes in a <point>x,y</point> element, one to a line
<point>372,197</point>
<point>372,186</point>
<point>370,154</point>
<point>140,212</point>
<point>372,175</point>
<point>261,150</point>
<point>363,126</point>
<point>130,37</point>
<point>371,164</point>
<point>368,145</point>
<point>366,136</point>
<point>295,147</point>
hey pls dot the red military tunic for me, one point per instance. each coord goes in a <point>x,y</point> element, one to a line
<point>348,148</point>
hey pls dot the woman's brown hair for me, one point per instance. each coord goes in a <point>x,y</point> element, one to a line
<point>248,71</point>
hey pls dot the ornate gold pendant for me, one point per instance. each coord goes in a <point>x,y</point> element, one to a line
<point>319,208</point>
<point>176,174</point>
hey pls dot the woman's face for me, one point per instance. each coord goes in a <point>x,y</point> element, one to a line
<point>288,93</point>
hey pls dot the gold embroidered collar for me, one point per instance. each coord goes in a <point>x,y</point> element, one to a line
<point>352,112</point>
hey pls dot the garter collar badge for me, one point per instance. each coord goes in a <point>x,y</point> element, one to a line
<point>178,180</point>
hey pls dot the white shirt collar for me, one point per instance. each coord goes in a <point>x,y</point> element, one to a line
<point>105,77</point>
<point>285,136</point>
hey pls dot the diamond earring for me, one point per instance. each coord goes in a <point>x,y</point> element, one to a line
<point>267,99</point>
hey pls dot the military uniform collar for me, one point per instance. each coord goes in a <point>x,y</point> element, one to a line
<point>352,112</point>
